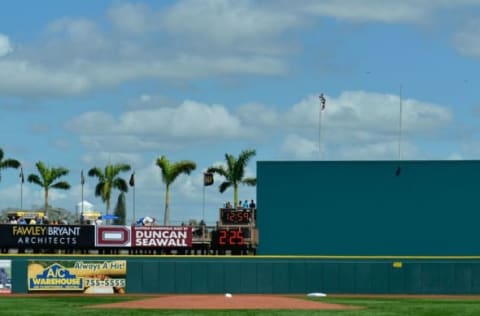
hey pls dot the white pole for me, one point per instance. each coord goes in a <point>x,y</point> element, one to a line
<point>400,128</point>
<point>203,205</point>
<point>134,217</point>
<point>83,213</point>
<point>21,194</point>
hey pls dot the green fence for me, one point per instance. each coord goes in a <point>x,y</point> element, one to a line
<point>180,274</point>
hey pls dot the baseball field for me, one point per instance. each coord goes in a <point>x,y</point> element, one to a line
<point>238,305</point>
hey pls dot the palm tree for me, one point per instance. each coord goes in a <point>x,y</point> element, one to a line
<point>7,163</point>
<point>47,179</point>
<point>170,171</point>
<point>234,172</point>
<point>109,179</point>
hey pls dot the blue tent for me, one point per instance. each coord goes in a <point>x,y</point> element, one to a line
<point>109,216</point>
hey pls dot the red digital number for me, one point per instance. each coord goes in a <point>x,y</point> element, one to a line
<point>223,237</point>
<point>236,217</point>
<point>231,237</point>
<point>236,238</point>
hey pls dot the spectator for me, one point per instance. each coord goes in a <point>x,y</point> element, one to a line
<point>252,205</point>
<point>245,204</point>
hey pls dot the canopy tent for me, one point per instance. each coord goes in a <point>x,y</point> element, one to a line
<point>87,206</point>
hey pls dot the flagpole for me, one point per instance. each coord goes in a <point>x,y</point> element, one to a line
<point>132,184</point>
<point>203,205</point>
<point>133,205</point>
<point>21,196</point>
<point>207,180</point>
<point>82,182</point>
<point>21,188</point>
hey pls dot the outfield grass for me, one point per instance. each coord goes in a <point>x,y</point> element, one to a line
<point>70,306</point>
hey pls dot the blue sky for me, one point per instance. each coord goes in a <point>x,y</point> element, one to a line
<point>87,83</point>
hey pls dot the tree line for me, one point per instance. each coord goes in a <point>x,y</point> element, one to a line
<point>109,177</point>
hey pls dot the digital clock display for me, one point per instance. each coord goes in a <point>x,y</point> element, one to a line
<point>235,217</point>
<point>230,237</point>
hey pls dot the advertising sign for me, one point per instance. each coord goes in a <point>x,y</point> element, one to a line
<point>112,236</point>
<point>46,236</point>
<point>5,276</point>
<point>162,236</point>
<point>89,276</point>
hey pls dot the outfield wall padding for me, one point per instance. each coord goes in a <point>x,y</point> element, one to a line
<point>295,275</point>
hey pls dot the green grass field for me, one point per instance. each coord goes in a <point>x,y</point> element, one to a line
<point>74,305</point>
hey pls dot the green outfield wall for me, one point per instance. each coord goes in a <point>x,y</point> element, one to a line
<point>279,275</point>
<point>364,208</point>
<point>330,227</point>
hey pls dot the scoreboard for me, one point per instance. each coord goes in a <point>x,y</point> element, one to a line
<point>236,229</point>
<point>236,216</point>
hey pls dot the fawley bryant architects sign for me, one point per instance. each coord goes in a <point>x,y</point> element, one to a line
<point>162,236</point>
<point>36,236</point>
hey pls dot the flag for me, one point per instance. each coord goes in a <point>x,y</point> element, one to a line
<point>322,101</point>
<point>22,178</point>
<point>82,178</point>
<point>207,178</point>
<point>132,180</point>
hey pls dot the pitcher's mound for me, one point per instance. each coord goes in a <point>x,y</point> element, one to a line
<point>219,301</point>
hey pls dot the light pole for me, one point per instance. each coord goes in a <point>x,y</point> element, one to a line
<point>322,107</point>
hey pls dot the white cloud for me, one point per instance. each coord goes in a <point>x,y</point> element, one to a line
<point>357,112</point>
<point>406,11</point>
<point>187,124</point>
<point>238,25</point>
<point>376,151</point>
<point>299,148</point>
<point>187,40</point>
<point>24,78</point>
<point>355,118</point>
<point>258,115</point>
<point>369,10</point>
<point>5,45</point>
<point>466,40</point>
<point>360,125</point>
<point>134,18</point>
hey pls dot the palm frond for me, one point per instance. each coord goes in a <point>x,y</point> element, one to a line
<point>220,170</point>
<point>99,189</point>
<point>33,178</point>
<point>9,163</point>
<point>250,181</point>
<point>61,185</point>
<point>120,184</point>
<point>224,186</point>
<point>95,172</point>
